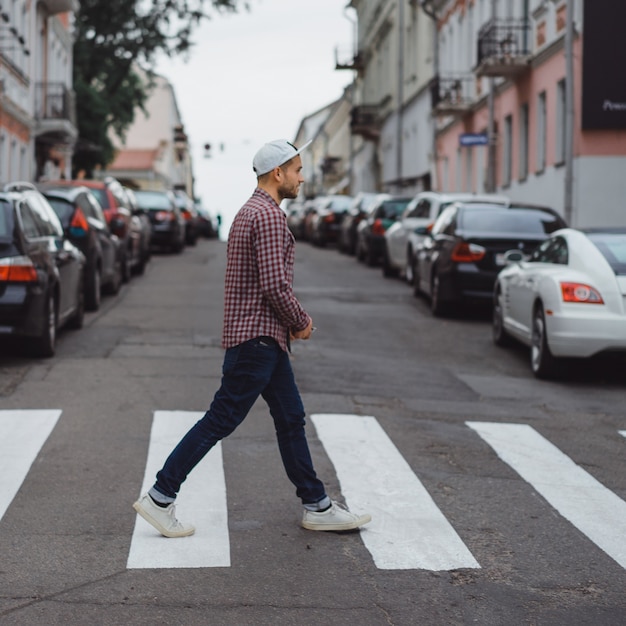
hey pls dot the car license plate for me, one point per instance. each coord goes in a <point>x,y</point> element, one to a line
<point>500,259</point>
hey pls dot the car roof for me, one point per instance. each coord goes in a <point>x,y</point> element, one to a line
<point>66,192</point>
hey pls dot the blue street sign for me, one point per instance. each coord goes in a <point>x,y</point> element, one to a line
<point>473,139</point>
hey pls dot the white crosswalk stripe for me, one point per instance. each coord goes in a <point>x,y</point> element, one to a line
<point>22,434</point>
<point>576,495</point>
<point>407,531</point>
<point>203,501</point>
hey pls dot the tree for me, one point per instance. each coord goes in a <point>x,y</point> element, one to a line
<point>113,38</point>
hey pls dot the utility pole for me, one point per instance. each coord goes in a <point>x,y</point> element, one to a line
<point>569,112</point>
<point>399,137</point>
<point>432,14</point>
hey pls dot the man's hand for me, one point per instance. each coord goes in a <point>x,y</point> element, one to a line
<point>303,334</point>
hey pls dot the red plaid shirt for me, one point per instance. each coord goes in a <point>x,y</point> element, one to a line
<point>258,291</point>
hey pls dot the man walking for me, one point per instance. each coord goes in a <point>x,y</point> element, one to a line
<point>261,317</point>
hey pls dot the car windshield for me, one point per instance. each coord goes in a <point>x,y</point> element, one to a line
<point>63,209</point>
<point>392,209</point>
<point>613,248</point>
<point>510,221</point>
<point>153,200</point>
<point>6,221</point>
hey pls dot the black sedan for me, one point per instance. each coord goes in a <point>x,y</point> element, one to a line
<point>41,272</point>
<point>86,227</point>
<point>326,222</point>
<point>461,256</point>
<point>168,223</point>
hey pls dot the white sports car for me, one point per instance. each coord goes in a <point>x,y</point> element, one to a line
<point>568,299</point>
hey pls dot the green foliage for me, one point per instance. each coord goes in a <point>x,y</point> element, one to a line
<point>113,39</point>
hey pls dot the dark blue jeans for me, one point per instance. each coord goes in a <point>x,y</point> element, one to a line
<point>253,368</point>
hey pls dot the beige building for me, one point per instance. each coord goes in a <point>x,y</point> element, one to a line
<point>155,153</point>
<point>37,109</point>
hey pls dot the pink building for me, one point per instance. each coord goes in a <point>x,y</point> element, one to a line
<point>521,54</point>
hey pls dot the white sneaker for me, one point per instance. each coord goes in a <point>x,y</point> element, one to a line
<point>162,518</point>
<point>337,517</point>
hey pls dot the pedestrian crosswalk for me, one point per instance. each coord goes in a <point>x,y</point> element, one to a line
<point>408,530</point>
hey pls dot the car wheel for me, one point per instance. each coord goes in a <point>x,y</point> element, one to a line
<point>126,266</point>
<point>417,291</point>
<point>140,268</point>
<point>93,291</point>
<point>388,270</point>
<point>77,320</point>
<point>371,258</point>
<point>436,306</point>
<point>542,363</point>
<point>360,252</point>
<point>499,335</point>
<point>45,344</point>
<point>409,274</point>
<point>113,287</point>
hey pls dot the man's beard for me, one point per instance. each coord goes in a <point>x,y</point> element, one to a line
<point>288,192</point>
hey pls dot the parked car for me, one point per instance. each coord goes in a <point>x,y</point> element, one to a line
<point>189,213</point>
<point>401,240</point>
<point>41,271</point>
<point>168,223</point>
<point>118,213</point>
<point>463,253</point>
<point>209,224</point>
<point>359,208</point>
<point>140,218</point>
<point>295,218</point>
<point>568,299</point>
<point>370,243</point>
<point>85,226</point>
<point>310,210</point>
<point>326,221</point>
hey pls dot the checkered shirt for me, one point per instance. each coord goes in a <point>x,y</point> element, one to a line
<point>258,291</point>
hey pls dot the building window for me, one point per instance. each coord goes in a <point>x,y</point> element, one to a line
<point>541,132</point>
<point>560,122</point>
<point>523,142</point>
<point>507,147</point>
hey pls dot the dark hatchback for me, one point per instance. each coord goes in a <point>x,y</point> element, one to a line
<point>461,256</point>
<point>41,272</point>
<point>370,233</point>
<point>168,223</point>
<point>86,227</point>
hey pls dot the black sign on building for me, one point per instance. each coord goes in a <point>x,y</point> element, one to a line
<point>604,63</point>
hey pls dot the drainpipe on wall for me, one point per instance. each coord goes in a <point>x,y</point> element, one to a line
<point>569,112</point>
<point>399,132</point>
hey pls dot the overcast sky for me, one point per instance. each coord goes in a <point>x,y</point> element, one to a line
<point>251,78</point>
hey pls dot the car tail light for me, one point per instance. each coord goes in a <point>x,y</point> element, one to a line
<point>164,216</point>
<point>581,293</point>
<point>79,225</point>
<point>18,269</point>
<point>330,218</point>
<point>467,252</point>
<point>378,228</point>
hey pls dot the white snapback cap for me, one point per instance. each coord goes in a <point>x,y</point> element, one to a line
<point>274,154</point>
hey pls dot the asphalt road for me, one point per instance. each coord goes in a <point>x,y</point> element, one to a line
<point>496,499</point>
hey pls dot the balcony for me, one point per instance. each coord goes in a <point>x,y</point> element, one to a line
<point>60,6</point>
<point>55,109</point>
<point>503,48</point>
<point>365,121</point>
<point>452,95</point>
<point>349,61</point>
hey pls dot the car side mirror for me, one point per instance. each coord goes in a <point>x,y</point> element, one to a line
<point>513,256</point>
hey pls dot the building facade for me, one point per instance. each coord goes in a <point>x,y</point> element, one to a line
<point>37,108</point>
<point>155,152</point>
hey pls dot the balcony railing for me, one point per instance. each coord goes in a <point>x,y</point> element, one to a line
<point>54,101</point>
<point>452,95</point>
<point>503,48</point>
<point>365,121</point>
<point>349,61</point>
